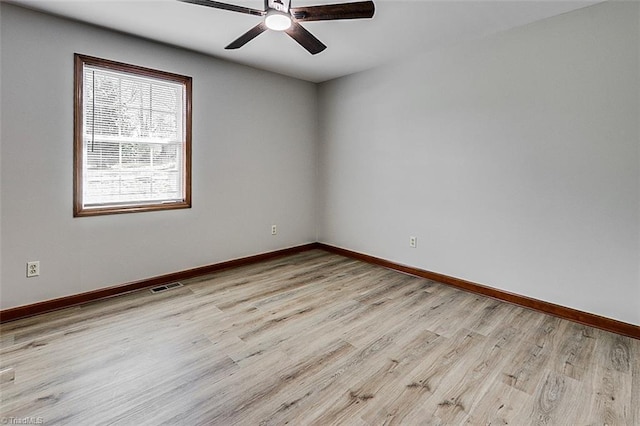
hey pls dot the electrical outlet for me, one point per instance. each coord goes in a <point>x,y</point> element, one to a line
<point>33,269</point>
<point>274,229</point>
<point>413,242</point>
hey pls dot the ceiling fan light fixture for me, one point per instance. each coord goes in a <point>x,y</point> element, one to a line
<point>277,21</point>
<point>279,16</point>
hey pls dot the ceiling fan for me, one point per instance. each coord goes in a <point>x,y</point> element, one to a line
<point>279,16</point>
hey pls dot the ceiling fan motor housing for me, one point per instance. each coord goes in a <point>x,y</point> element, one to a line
<point>279,5</point>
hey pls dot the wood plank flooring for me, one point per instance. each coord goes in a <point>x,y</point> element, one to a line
<point>314,338</point>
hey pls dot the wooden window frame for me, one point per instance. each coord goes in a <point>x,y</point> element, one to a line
<point>78,206</point>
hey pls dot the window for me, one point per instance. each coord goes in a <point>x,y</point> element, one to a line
<point>132,149</point>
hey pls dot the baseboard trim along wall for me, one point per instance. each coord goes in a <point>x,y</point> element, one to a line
<point>570,314</point>
<point>103,293</point>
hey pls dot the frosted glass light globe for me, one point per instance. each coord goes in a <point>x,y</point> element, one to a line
<point>277,21</point>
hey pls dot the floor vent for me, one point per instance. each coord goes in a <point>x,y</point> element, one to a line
<point>165,287</point>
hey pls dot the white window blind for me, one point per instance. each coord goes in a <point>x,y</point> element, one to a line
<point>133,139</point>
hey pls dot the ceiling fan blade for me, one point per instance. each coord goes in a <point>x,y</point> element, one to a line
<point>305,38</point>
<point>248,36</point>
<point>226,6</point>
<point>356,10</point>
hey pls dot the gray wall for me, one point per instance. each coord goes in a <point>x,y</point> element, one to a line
<point>514,160</point>
<point>248,171</point>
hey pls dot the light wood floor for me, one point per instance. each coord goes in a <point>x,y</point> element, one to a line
<point>315,338</point>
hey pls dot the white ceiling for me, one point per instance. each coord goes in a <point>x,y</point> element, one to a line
<point>399,28</point>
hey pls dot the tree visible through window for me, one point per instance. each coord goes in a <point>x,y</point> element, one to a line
<point>132,138</point>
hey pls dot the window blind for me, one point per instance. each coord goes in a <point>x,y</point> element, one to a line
<point>133,139</point>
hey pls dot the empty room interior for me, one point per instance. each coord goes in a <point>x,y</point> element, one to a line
<point>413,212</point>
